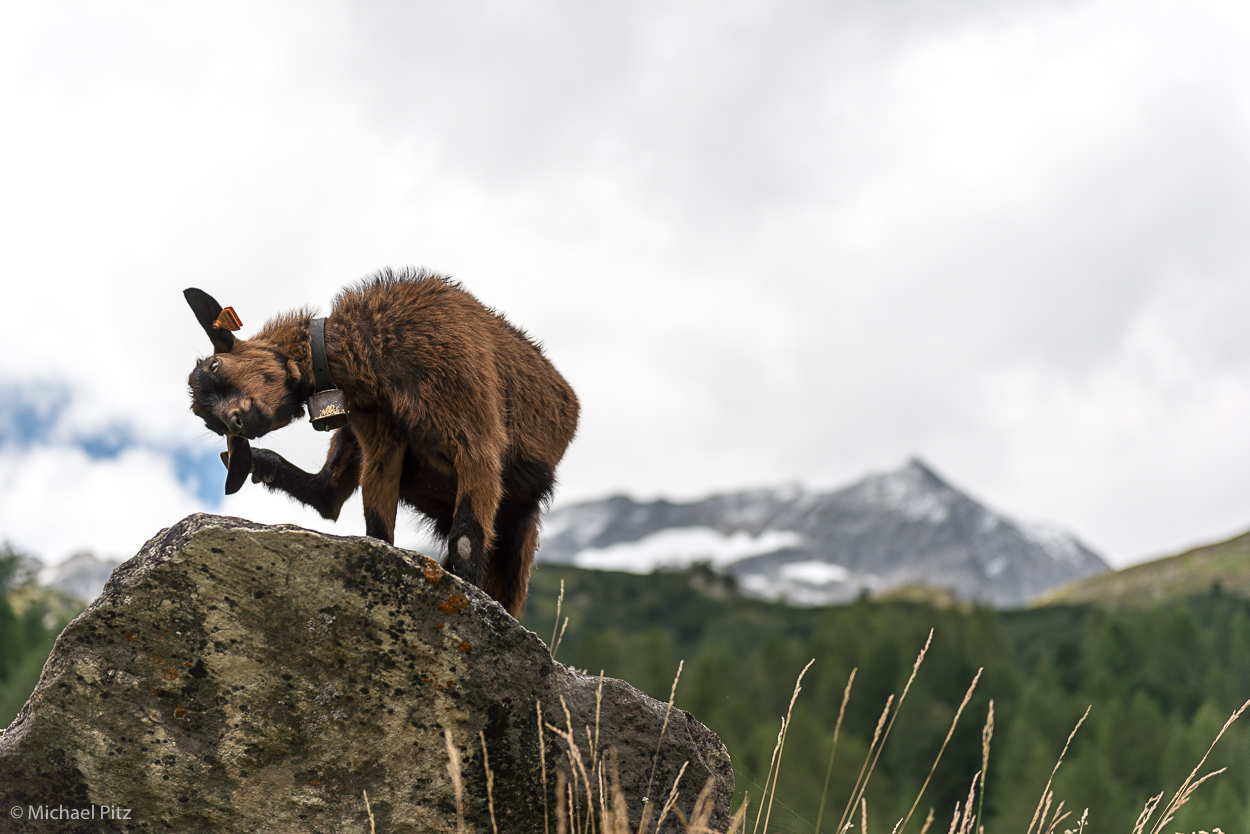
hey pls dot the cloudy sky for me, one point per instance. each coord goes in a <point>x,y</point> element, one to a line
<point>767,241</point>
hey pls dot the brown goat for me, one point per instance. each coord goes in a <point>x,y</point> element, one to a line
<point>453,411</point>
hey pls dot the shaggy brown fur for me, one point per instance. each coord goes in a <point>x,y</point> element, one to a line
<point>453,411</point>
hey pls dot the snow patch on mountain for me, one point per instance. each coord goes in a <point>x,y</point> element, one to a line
<point>1057,543</point>
<point>682,546</point>
<point>814,572</point>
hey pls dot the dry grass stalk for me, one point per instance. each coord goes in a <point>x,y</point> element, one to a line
<point>1080,826</point>
<point>490,782</point>
<point>798,687</point>
<point>987,733</point>
<point>594,750</point>
<point>556,624</point>
<point>562,816</point>
<point>739,815</point>
<point>596,763</point>
<point>1146,813</point>
<point>542,758</point>
<point>1050,797</point>
<point>844,823</point>
<point>863,815</point>
<point>605,816</point>
<point>950,732</point>
<point>1047,795</point>
<point>837,727</point>
<point>672,797</point>
<point>620,813</point>
<point>954,820</point>
<point>1189,785</point>
<point>1187,794</point>
<point>968,819</point>
<point>701,813</point>
<point>608,820</point>
<point>1056,819</point>
<point>372,826</point>
<point>453,769</point>
<point>559,639</point>
<point>928,821</point>
<point>759,814</point>
<point>577,766</point>
<point>861,785</point>
<point>655,759</point>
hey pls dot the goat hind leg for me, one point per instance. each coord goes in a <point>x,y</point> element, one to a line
<point>508,566</point>
<point>473,524</point>
<point>527,485</point>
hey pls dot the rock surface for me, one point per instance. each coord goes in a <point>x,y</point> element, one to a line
<point>237,677</point>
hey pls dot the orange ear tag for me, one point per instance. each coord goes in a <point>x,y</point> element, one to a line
<point>227,319</point>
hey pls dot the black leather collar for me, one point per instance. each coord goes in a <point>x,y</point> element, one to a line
<point>327,407</point>
<point>320,364</point>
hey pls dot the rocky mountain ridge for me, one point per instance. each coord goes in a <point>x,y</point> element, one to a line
<point>884,532</point>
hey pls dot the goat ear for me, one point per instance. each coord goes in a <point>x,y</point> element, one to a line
<point>238,463</point>
<point>206,311</point>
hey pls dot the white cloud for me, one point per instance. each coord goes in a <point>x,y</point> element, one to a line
<point>57,501</point>
<point>765,241</point>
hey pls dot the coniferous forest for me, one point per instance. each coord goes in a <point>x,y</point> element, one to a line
<point>1160,683</point>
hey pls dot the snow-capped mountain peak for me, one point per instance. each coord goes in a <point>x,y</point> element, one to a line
<point>888,530</point>
<point>914,492</point>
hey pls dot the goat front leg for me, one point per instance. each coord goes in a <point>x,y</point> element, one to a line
<point>327,490</point>
<point>382,465</point>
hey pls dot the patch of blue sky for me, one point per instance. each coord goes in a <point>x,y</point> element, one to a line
<point>107,444</point>
<point>202,472</point>
<point>30,411</point>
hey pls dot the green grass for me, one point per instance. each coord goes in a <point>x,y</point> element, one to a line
<point>1222,568</point>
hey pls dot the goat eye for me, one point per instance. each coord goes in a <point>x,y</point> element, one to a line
<point>214,365</point>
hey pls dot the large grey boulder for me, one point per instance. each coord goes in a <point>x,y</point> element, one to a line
<point>237,677</point>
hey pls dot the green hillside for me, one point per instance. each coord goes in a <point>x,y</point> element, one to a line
<point>1222,568</point>
<point>1161,683</point>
